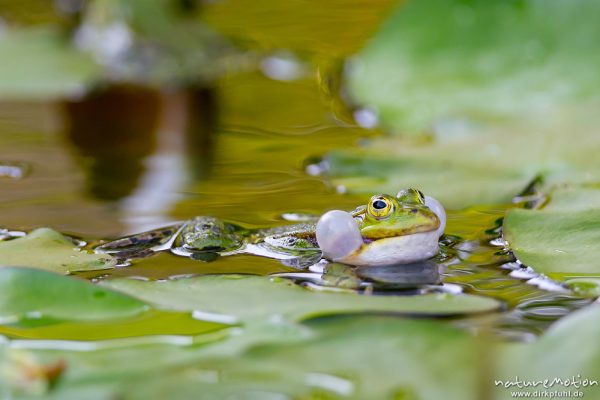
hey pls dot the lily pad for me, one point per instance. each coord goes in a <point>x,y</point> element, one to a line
<point>354,357</point>
<point>456,180</point>
<point>574,198</point>
<point>155,326</point>
<point>255,299</point>
<point>569,351</point>
<point>478,59</point>
<point>37,304</point>
<point>47,249</point>
<point>562,238</point>
<point>32,293</point>
<point>496,84</point>
<point>41,63</point>
<point>488,164</point>
<point>365,354</point>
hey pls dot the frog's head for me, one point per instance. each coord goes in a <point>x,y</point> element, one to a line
<point>209,234</point>
<point>386,216</point>
<point>387,230</point>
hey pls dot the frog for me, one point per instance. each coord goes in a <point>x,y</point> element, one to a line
<point>387,230</point>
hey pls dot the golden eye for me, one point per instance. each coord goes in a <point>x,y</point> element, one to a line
<point>380,207</point>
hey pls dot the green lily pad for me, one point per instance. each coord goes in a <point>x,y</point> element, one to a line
<point>344,357</point>
<point>456,181</point>
<point>574,198</point>
<point>490,164</point>
<point>367,355</point>
<point>42,63</point>
<point>37,304</point>
<point>568,351</point>
<point>564,237</point>
<point>251,299</point>
<point>47,249</point>
<point>478,59</point>
<point>26,292</point>
<point>353,357</point>
<point>587,287</point>
<point>496,84</point>
<point>269,310</point>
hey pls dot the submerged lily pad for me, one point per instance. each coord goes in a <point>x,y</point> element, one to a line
<point>26,292</point>
<point>587,287</point>
<point>47,249</point>
<point>564,237</point>
<point>478,59</point>
<point>251,299</point>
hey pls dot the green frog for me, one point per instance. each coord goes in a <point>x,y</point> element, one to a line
<point>387,230</point>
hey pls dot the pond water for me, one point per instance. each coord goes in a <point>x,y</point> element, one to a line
<point>127,159</point>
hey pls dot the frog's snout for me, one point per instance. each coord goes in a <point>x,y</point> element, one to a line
<point>338,234</point>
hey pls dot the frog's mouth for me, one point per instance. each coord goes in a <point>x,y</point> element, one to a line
<point>339,238</point>
<point>393,232</point>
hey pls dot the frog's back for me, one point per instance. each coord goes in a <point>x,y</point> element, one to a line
<point>295,237</point>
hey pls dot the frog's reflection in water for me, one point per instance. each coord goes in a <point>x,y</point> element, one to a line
<point>414,278</point>
<point>139,147</point>
<point>405,276</point>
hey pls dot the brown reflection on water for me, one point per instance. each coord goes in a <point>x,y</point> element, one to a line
<point>201,124</point>
<point>139,146</point>
<point>113,130</point>
<point>50,195</point>
<point>126,159</point>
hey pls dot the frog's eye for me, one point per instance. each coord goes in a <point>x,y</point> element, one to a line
<point>380,207</point>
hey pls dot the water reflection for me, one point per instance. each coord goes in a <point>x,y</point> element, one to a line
<point>393,277</point>
<point>201,125</point>
<point>14,170</point>
<point>140,147</point>
<point>113,130</point>
<point>404,279</point>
